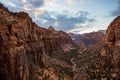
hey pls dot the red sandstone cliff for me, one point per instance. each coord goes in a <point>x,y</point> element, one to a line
<point>106,64</point>
<point>24,47</point>
<point>111,48</point>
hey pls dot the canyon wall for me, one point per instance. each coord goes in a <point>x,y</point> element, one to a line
<point>24,47</point>
<point>110,50</point>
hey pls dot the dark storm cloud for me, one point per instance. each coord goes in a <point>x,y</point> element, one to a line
<point>63,21</point>
<point>117,11</point>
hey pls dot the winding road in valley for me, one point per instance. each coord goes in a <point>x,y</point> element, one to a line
<point>74,67</point>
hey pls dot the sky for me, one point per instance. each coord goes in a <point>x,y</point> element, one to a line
<point>76,16</point>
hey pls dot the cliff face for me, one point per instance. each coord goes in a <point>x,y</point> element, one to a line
<point>24,47</point>
<point>106,65</point>
<point>111,48</point>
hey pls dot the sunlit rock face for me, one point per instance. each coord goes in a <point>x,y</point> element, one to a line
<point>24,46</point>
<point>110,50</point>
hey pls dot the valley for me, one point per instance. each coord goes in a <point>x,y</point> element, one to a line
<point>31,52</point>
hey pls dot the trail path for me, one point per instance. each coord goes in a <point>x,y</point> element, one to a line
<point>76,70</point>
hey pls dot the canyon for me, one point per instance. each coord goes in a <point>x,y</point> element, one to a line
<point>30,52</point>
<point>101,58</point>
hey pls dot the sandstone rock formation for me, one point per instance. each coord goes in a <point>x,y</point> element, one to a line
<point>25,48</point>
<point>110,50</point>
<point>51,28</point>
<point>106,64</point>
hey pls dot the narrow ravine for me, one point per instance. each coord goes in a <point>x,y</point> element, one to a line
<point>76,70</point>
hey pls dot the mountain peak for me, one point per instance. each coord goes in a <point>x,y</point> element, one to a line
<point>51,28</point>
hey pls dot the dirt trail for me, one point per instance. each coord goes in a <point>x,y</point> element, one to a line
<point>76,70</point>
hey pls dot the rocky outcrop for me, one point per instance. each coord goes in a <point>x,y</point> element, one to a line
<point>51,28</point>
<point>110,51</point>
<point>24,46</point>
<point>106,64</point>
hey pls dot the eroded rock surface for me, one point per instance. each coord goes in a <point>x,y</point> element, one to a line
<point>26,49</point>
<point>110,51</point>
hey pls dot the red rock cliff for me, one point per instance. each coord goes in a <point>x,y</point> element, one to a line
<point>110,51</point>
<point>23,45</point>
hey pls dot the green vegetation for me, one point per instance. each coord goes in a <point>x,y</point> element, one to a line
<point>60,70</point>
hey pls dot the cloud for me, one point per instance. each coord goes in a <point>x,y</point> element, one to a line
<point>33,7</point>
<point>63,21</point>
<point>117,11</point>
<point>51,3</point>
<point>73,1</point>
<point>30,4</point>
<point>24,1</point>
<point>88,26</point>
<point>69,1</point>
<point>35,12</point>
<point>35,3</point>
<point>80,28</point>
<point>23,4</point>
